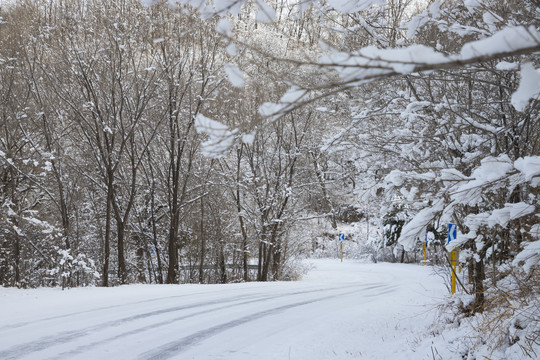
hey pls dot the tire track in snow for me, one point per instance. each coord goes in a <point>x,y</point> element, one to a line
<point>34,321</point>
<point>176,347</point>
<point>68,336</point>
<point>90,346</point>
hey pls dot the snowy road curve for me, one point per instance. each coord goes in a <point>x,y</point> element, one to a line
<point>339,311</point>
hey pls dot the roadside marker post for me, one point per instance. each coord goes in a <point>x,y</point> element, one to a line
<point>452,235</point>
<point>341,237</point>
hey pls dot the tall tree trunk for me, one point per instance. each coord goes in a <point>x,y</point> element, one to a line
<point>17,256</point>
<point>245,254</point>
<point>222,265</point>
<point>203,245</point>
<point>261,260</point>
<point>172,272</point>
<point>122,273</point>
<point>106,246</point>
<point>267,261</point>
<point>478,286</point>
<point>276,264</point>
<point>155,240</point>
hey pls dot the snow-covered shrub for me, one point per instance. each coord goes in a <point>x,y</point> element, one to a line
<point>74,271</point>
<point>293,269</point>
<point>512,316</point>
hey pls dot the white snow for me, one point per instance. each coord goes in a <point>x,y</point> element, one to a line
<point>265,13</point>
<point>417,227</point>
<point>339,311</point>
<point>472,4</point>
<point>220,138</point>
<point>353,6</point>
<point>235,75</point>
<point>529,87</point>
<point>231,6</point>
<point>491,170</point>
<point>224,27</point>
<point>528,166</point>
<point>293,95</point>
<point>415,23</point>
<point>530,256</point>
<point>395,177</point>
<point>507,39</point>
<point>248,138</point>
<point>510,212</point>
<point>271,110</point>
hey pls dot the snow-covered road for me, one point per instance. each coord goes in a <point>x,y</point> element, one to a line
<point>338,311</point>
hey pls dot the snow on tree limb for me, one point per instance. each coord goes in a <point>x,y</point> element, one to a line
<point>493,173</point>
<point>265,13</point>
<point>235,75</point>
<point>529,87</point>
<point>491,170</point>
<point>529,166</point>
<point>417,227</point>
<point>352,6</point>
<point>530,255</point>
<point>220,138</point>
<point>371,63</point>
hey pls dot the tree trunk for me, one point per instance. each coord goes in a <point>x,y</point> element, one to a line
<point>122,272</point>
<point>17,256</point>
<point>222,266</point>
<point>172,272</point>
<point>106,246</point>
<point>276,264</point>
<point>267,261</point>
<point>478,286</point>
<point>203,245</point>
<point>260,263</point>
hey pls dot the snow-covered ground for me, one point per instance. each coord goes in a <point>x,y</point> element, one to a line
<point>339,310</point>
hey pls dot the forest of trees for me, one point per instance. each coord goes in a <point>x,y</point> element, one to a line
<point>144,142</point>
<point>103,177</point>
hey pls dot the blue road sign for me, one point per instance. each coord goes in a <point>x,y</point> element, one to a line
<point>341,237</point>
<point>452,232</point>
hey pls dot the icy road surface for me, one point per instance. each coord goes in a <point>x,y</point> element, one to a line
<point>338,311</point>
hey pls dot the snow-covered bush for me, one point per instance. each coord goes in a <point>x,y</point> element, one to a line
<point>74,271</point>
<point>509,327</point>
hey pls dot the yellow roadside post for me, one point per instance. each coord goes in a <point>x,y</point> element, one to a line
<point>454,262</point>
<point>341,237</point>
<point>452,234</point>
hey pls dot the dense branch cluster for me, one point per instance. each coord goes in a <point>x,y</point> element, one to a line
<point>104,178</point>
